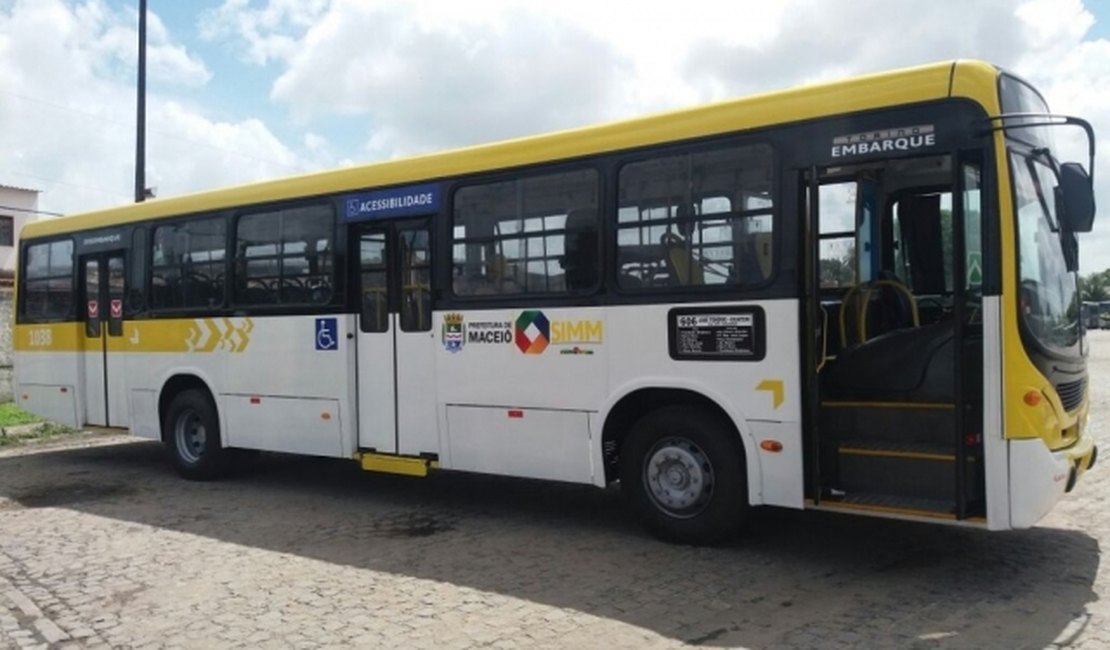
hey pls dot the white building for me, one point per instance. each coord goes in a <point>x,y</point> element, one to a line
<point>18,205</point>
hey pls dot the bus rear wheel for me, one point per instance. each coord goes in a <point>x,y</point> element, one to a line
<point>683,471</point>
<point>191,433</point>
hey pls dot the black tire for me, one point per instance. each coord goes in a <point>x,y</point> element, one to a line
<point>191,433</point>
<point>706,497</point>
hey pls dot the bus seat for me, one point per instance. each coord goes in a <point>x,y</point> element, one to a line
<point>580,258</point>
<point>684,267</point>
<point>763,253</point>
<point>911,364</point>
<point>859,322</point>
<point>374,308</point>
<point>416,305</point>
<point>320,291</point>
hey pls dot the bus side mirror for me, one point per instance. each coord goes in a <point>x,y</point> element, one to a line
<point>1077,198</point>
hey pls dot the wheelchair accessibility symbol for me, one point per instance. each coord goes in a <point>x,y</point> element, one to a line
<point>327,334</point>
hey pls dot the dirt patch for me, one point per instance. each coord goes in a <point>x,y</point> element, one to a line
<point>50,496</point>
<point>415,526</point>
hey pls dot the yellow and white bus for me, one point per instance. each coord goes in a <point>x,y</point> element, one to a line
<point>855,296</point>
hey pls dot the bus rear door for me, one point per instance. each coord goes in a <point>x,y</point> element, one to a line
<point>102,291</point>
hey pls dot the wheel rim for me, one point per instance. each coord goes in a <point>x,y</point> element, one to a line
<point>678,477</point>
<point>190,436</point>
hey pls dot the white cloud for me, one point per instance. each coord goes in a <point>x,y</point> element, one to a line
<point>269,33</point>
<point>429,85</point>
<point>429,75</point>
<point>68,103</point>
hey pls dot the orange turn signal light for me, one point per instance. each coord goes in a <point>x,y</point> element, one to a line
<point>1032,398</point>
<point>771,445</point>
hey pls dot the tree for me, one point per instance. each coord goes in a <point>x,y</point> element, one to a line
<point>1095,287</point>
<point>837,272</point>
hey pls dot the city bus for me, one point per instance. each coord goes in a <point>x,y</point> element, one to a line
<point>857,296</point>
<point>1089,315</point>
<point>1104,314</point>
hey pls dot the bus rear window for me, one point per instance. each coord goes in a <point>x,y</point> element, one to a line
<point>48,281</point>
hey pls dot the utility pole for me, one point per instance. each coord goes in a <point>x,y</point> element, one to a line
<point>140,112</point>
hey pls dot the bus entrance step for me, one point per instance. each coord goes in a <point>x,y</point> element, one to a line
<point>907,470</point>
<point>392,464</point>
<point>890,504</point>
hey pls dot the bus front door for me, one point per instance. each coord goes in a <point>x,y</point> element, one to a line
<point>102,291</point>
<point>396,387</point>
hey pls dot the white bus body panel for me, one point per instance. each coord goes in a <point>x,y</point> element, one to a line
<point>93,387</point>
<point>144,414</point>
<point>417,424</point>
<point>537,443</point>
<point>57,402</point>
<point>118,408</point>
<point>305,394</point>
<point>594,357</point>
<point>996,456</point>
<point>555,385</point>
<point>283,360</point>
<point>40,378</point>
<point>295,425</point>
<point>641,358</point>
<point>377,405</point>
<point>1041,478</point>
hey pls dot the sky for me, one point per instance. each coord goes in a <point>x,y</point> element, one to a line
<point>245,90</point>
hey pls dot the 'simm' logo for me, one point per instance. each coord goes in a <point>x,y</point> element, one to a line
<point>532,332</point>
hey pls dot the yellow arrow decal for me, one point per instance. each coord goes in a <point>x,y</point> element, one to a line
<point>776,388</point>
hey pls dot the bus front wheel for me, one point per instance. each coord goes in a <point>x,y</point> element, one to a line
<point>191,431</point>
<point>683,470</point>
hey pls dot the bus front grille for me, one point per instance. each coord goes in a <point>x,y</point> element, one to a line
<point>1071,393</point>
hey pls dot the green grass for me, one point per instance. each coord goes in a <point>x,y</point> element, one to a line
<point>10,415</point>
<point>47,430</point>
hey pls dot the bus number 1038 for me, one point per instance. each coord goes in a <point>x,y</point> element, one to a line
<point>41,338</point>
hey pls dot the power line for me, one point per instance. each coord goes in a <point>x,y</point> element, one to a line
<point>119,195</point>
<point>12,207</point>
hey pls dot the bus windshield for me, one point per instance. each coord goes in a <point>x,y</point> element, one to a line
<point>1049,291</point>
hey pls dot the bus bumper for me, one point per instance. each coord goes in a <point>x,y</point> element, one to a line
<point>1039,477</point>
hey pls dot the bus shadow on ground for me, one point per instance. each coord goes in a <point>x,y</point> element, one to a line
<point>794,579</point>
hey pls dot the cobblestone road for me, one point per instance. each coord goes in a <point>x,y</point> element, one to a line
<point>102,546</point>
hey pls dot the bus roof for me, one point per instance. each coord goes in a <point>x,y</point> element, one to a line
<point>975,80</point>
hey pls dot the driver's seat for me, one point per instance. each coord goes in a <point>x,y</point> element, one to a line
<point>897,310</point>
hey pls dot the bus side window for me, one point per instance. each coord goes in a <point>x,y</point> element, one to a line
<point>285,256</point>
<point>535,235</point>
<point>696,219</point>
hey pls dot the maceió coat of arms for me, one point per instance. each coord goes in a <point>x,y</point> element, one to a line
<point>454,332</point>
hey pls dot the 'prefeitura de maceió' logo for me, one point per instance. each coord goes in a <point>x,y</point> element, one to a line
<point>453,332</point>
<point>532,332</point>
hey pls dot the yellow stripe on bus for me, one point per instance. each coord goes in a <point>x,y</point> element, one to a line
<point>172,335</point>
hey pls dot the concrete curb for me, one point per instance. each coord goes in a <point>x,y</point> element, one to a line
<point>21,430</point>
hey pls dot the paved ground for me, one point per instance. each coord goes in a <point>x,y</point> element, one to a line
<point>101,546</point>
